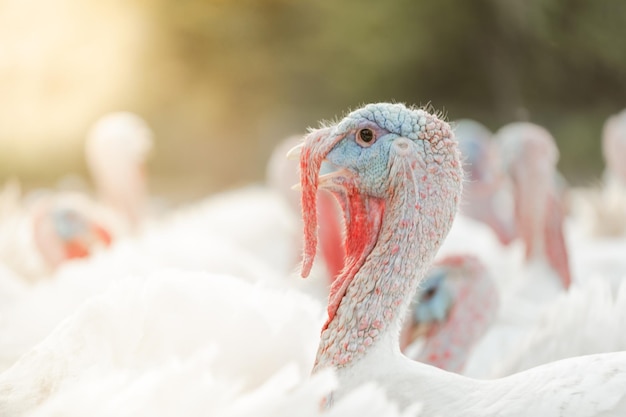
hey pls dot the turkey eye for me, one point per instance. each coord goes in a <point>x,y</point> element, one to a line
<point>365,135</point>
<point>430,293</point>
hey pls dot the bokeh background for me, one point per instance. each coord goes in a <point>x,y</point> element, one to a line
<point>222,81</point>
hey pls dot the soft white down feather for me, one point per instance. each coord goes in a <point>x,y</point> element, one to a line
<point>588,319</point>
<point>182,343</point>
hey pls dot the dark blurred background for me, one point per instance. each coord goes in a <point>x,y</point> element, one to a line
<point>222,81</point>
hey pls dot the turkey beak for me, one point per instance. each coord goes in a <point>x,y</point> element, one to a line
<point>294,153</point>
<point>421,330</point>
<point>326,181</point>
<point>412,331</point>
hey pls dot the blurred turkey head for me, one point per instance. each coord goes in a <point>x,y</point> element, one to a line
<point>530,156</point>
<point>451,311</point>
<point>66,227</point>
<point>486,191</point>
<point>116,150</point>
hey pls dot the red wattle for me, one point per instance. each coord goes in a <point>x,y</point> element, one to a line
<point>75,250</point>
<point>556,249</point>
<point>363,217</point>
<point>330,234</point>
<point>103,235</point>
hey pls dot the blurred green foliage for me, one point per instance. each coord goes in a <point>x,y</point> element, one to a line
<point>223,81</point>
<point>277,66</point>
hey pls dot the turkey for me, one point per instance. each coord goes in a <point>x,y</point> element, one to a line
<point>613,148</point>
<point>47,229</point>
<point>584,320</point>
<point>534,270</point>
<point>452,309</point>
<point>116,150</point>
<point>486,194</point>
<point>65,227</point>
<point>398,178</point>
<point>611,210</point>
<point>530,156</point>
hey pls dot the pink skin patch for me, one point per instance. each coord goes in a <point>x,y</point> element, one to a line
<point>479,203</point>
<point>529,206</point>
<point>84,245</point>
<point>75,250</point>
<point>74,235</point>
<point>540,217</point>
<point>330,234</point>
<point>505,232</point>
<point>483,208</point>
<point>556,249</point>
<point>103,235</point>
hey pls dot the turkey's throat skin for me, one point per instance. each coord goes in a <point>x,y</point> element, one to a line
<point>380,292</point>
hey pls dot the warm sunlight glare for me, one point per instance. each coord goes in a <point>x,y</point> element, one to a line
<point>62,62</point>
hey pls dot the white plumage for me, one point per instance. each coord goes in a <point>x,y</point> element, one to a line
<point>160,325</point>
<point>181,343</point>
<point>588,319</point>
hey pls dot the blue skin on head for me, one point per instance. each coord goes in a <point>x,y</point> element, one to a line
<point>387,122</point>
<point>68,224</point>
<point>474,141</point>
<point>472,150</point>
<point>475,154</point>
<point>434,298</point>
<point>327,168</point>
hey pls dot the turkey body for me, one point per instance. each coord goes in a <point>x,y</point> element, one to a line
<point>399,179</point>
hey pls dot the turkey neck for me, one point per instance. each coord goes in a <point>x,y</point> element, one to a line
<point>402,237</point>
